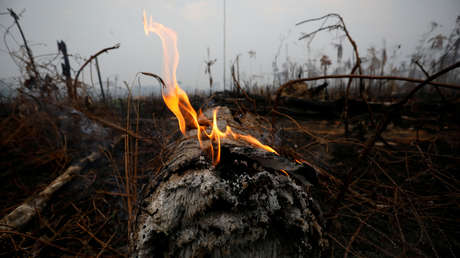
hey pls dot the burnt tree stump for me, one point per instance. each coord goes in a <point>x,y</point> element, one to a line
<point>242,207</point>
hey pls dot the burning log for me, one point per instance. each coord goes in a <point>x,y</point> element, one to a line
<point>238,202</point>
<point>252,204</point>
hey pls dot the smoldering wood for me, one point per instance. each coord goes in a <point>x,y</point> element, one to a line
<point>243,207</point>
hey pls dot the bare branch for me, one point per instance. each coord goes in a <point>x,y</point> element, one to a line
<point>428,75</point>
<point>89,60</point>
<point>330,27</point>
<point>317,19</point>
<point>370,77</point>
<point>156,77</point>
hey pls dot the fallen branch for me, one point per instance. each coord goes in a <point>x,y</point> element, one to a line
<point>370,77</point>
<point>20,216</point>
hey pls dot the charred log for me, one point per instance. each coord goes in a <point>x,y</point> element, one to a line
<point>243,207</point>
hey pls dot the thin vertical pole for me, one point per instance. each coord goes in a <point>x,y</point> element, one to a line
<point>224,45</point>
<point>100,80</point>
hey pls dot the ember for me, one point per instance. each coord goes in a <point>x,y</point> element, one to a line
<point>178,102</point>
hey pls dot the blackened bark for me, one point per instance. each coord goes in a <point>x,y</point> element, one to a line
<point>243,207</point>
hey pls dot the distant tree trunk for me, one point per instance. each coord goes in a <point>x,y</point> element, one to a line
<point>66,70</point>
<point>100,80</point>
<point>243,207</point>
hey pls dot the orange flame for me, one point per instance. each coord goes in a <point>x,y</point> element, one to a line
<point>284,172</point>
<point>177,100</point>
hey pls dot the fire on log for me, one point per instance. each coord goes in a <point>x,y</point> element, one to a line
<point>243,207</point>
<point>240,202</point>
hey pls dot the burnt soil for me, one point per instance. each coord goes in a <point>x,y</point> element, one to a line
<point>402,201</point>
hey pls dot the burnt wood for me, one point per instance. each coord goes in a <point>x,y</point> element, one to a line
<point>242,207</point>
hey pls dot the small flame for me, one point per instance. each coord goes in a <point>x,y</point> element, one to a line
<point>177,100</point>
<point>284,172</point>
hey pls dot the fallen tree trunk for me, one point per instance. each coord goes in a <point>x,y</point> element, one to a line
<point>246,206</point>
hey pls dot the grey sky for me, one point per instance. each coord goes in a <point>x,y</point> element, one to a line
<point>90,25</point>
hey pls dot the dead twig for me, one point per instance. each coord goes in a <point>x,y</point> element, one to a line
<point>237,84</point>
<point>301,128</point>
<point>128,166</point>
<point>41,240</point>
<point>103,244</point>
<point>428,75</point>
<point>353,237</point>
<point>156,77</point>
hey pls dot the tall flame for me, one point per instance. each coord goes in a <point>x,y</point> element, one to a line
<point>177,100</point>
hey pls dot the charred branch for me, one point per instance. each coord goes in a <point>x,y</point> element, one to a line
<point>66,69</point>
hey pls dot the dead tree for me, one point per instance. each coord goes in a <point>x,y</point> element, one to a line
<point>36,75</point>
<point>66,69</point>
<point>209,63</point>
<point>252,204</point>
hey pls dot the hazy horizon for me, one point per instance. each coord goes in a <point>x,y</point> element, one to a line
<point>258,26</point>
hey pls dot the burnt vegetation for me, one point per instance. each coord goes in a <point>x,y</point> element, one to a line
<point>381,137</point>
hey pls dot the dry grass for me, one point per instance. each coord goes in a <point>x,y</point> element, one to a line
<point>403,201</point>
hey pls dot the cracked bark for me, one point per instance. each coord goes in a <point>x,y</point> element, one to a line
<point>243,207</point>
